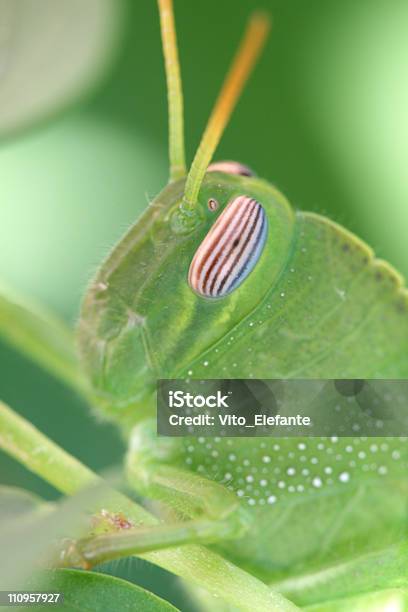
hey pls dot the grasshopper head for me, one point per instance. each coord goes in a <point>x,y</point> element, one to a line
<point>196,263</point>
<point>144,317</point>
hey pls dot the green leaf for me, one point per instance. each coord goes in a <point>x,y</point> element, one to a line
<point>40,336</point>
<point>89,591</point>
<point>52,54</point>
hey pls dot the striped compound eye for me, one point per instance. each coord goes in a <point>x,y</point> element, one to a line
<point>230,167</point>
<point>230,250</point>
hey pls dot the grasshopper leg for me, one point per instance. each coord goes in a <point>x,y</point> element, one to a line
<point>153,471</point>
<point>90,551</point>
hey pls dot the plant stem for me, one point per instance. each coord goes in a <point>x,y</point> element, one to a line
<point>40,455</point>
<point>210,571</point>
<point>41,337</point>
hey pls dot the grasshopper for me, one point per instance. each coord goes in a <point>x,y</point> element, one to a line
<point>221,277</point>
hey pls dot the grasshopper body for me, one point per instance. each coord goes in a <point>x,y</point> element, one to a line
<point>316,303</point>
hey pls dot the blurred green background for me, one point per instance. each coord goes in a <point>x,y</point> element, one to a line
<point>325,118</point>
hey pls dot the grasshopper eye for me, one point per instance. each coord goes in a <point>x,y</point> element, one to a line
<point>213,204</point>
<point>230,167</point>
<point>230,250</point>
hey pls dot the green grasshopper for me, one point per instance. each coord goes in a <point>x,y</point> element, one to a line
<point>294,295</point>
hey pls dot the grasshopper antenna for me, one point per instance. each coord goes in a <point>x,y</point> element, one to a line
<point>174,91</point>
<point>242,66</point>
